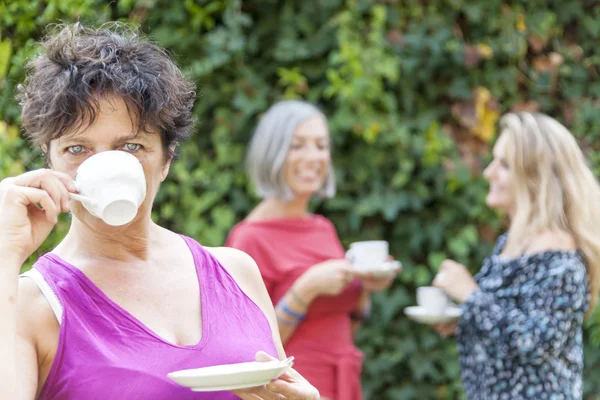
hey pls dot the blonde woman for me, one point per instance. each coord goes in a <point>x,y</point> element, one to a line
<point>520,336</point>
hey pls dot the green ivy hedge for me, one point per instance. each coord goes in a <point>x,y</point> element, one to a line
<point>413,90</point>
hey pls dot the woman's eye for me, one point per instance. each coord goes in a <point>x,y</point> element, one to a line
<point>132,147</point>
<point>295,146</point>
<point>76,150</point>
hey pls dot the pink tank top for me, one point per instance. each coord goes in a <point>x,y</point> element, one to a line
<point>106,353</point>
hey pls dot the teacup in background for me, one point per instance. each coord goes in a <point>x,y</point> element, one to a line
<point>432,299</point>
<point>368,254</point>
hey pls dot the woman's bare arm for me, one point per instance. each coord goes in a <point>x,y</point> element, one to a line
<point>18,355</point>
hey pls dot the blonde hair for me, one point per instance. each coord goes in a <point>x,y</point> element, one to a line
<point>554,188</point>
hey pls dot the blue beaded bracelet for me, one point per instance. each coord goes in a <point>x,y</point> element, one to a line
<point>289,312</point>
<point>286,322</point>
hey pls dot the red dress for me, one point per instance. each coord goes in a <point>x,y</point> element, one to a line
<point>322,344</point>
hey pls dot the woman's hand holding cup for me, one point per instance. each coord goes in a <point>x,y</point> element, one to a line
<point>455,280</point>
<point>29,207</point>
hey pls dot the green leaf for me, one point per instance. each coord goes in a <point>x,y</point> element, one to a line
<point>5,56</point>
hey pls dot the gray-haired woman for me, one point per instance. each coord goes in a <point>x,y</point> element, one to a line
<point>299,254</point>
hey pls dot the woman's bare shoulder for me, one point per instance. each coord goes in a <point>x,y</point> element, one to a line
<point>239,264</point>
<point>34,312</point>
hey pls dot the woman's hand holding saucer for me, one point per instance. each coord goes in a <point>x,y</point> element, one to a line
<point>445,330</point>
<point>374,283</point>
<point>378,282</point>
<point>289,386</point>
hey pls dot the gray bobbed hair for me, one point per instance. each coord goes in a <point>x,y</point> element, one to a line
<point>269,147</point>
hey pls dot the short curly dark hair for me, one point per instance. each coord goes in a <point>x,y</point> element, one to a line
<point>80,65</point>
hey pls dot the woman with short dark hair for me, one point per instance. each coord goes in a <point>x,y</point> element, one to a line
<point>113,309</point>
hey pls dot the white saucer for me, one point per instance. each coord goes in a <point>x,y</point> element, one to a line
<point>424,316</point>
<point>386,269</point>
<point>231,376</point>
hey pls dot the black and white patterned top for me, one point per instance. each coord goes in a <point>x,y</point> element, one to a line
<point>520,335</point>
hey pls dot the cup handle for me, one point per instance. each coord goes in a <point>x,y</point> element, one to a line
<point>350,256</point>
<point>82,199</point>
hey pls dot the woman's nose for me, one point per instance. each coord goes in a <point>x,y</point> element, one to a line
<point>489,172</point>
<point>315,153</point>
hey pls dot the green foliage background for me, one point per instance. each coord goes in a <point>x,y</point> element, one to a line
<point>413,90</point>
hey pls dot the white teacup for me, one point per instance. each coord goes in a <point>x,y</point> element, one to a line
<point>368,254</point>
<point>432,299</point>
<point>112,186</point>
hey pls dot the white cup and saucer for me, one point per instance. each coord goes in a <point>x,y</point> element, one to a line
<point>372,257</point>
<point>434,307</point>
<point>112,186</point>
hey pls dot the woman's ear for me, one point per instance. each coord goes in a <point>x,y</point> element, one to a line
<point>45,153</point>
